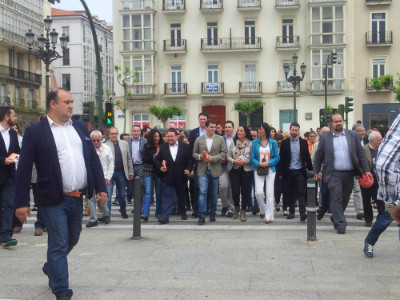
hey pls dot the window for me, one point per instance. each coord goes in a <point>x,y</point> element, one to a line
<point>287,31</point>
<point>176,40</point>
<point>250,84</point>
<point>18,95</point>
<point>335,72</point>
<point>378,28</point>
<point>30,98</point>
<point>327,25</point>
<point>212,73</point>
<point>66,57</point>
<point>141,120</point>
<point>178,121</point>
<point>143,67</point>
<point>66,81</point>
<point>65,30</point>
<point>176,79</point>
<point>137,32</point>
<point>2,94</point>
<point>212,33</point>
<point>378,67</point>
<point>250,32</point>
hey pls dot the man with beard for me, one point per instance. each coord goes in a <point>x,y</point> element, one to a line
<point>8,147</point>
<point>342,156</point>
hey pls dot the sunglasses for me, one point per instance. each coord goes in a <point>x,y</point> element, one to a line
<point>94,141</point>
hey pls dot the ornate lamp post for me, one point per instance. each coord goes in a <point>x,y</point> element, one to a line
<point>47,47</point>
<point>294,80</point>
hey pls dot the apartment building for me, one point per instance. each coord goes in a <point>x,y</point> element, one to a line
<point>376,51</point>
<point>77,70</point>
<point>205,55</point>
<point>21,74</point>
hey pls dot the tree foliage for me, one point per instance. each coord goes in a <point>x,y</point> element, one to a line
<point>386,82</point>
<point>164,113</point>
<point>248,108</point>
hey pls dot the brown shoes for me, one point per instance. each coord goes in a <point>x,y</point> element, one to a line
<point>360,216</point>
<point>17,229</point>
<point>243,215</point>
<point>38,232</point>
<point>236,213</point>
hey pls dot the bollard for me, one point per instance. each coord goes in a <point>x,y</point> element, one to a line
<point>311,207</point>
<point>137,209</point>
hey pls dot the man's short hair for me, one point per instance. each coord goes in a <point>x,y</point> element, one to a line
<point>218,123</point>
<point>136,125</point>
<point>52,95</point>
<point>229,121</point>
<point>295,124</point>
<point>96,132</point>
<point>5,110</point>
<point>122,135</point>
<point>356,126</point>
<point>203,113</point>
<point>373,135</point>
<point>208,122</point>
<point>173,130</point>
<point>113,127</point>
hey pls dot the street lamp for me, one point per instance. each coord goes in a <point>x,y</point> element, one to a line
<point>294,80</point>
<point>45,43</point>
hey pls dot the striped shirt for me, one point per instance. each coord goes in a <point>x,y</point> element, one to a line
<point>388,165</point>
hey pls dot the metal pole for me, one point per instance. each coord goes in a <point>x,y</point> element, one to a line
<point>311,207</point>
<point>294,104</point>
<point>137,202</point>
<point>47,78</point>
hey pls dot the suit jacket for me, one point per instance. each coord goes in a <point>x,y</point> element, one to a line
<point>142,142</point>
<point>286,156</point>
<point>183,161</point>
<point>325,155</point>
<point>126,156</point>
<point>39,147</point>
<point>8,170</point>
<point>218,152</point>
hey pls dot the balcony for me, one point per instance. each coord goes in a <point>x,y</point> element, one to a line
<point>328,2</point>
<point>20,75</point>
<point>175,90</point>
<point>285,88</point>
<point>141,91</point>
<point>212,89</point>
<point>284,43</point>
<point>249,5</point>
<point>250,89</point>
<point>174,46</point>
<point>13,38</point>
<point>378,2</point>
<point>174,6</point>
<point>231,44</point>
<point>137,5</point>
<point>335,86</point>
<point>379,38</point>
<point>207,6</point>
<point>287,4</point>
<point>370,89</point>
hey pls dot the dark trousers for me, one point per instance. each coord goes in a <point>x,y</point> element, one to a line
<point>168,192</point>
<point>295,185</point>
<point>367,195</point>
<point>277,189</point>
<point>7,190</point>
<point>324,200</point>
<point>340,187</point>
<point>240,181</point>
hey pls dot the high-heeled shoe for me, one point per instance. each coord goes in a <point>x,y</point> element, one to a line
<point>285,213</point>
<point>277,207</point>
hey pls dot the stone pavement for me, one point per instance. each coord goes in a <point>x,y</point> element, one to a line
<point>218,261</point>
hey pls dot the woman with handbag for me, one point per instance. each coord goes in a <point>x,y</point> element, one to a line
<point>265,157</point>
<point>240,168</point>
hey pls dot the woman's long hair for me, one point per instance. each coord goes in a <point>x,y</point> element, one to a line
<point>150,138</point>
<point>267,129</point>
<point>246,130</point>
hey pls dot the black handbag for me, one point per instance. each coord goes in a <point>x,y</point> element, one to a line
<point>262,171</point>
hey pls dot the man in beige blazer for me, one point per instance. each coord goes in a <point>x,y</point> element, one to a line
<point>123,170</point>
<point>209,150</point>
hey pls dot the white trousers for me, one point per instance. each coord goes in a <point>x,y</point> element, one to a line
<point>225,191</point>
<point>265,200</point>
<point>358,203</point>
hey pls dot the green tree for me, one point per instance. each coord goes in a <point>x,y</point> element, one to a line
<point>386,82</point>
<point>247,108</point>
<point>164,113</point>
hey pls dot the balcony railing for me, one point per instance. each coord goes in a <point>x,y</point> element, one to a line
<point>175,46</point>
<point>20,75</point>
<point>231,44</point>
<point>4,100</point>
<point>137,5</point>
<point>287,4</point>
<point>141,91</point>
<point>379,38</point>
<point>325,1</point>
<point>288,42</point>
<point>13,37</point>
<point>211,5</point>
<point>335,86</point>
<point>250,88</point>
<point>213,89</point>
<point>249,4</point>
<point>376,2</point>
<point>369,88</point>
<point>175,89</point>
<point>174,5</point>
<point>284,87</point>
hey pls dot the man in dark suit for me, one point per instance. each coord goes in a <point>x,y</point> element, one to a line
<point>294,162</point>
<point>342,156</point>
<point>175,163</point>
<point>67,167</point>
<point>8,145</point>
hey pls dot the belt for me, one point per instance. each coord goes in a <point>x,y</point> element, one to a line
<point>76,193</point>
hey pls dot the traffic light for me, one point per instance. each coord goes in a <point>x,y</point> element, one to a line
<point>349,102</point>
<point>333,58</point>
<point>322,121</point>
<point>88,111</point>
<point>341,110</point>
<point>109,114</point>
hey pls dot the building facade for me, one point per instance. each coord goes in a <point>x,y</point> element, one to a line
<point>77,71</point>
<point>21,74</point>
<point>206,55</point>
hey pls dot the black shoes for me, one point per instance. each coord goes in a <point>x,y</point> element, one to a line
<point>368,250</point>
<point>255,211</point>
<point>124,215</point>
<point>290,216</point>
<point>45,273</point>
<point>104,220</point>
<point>303,217</point>
<point>224,211</point>
<point>212,218</point>
<point>162,220</point>
<point>360,216</point>
<point>229,215</point>
<point>184,217</point>
<point>144,218</point>
<point>320,214</point>
<point>91,224</point>
<point>195,214</point>
<point>201,221</point>
<point>341,230</point>
<point>64,297</point>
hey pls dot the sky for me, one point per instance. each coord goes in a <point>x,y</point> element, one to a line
<point>101,8</point>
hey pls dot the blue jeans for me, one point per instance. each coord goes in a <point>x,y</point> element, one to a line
<point>7,209</point>
<point>120,182</point>
<point>208,182</point>
<point>148,189</point>
<point>168,193</point>
<point>380,225</point>
<point>64,225</point>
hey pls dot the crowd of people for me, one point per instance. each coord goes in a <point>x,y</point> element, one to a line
<point>61,162</point>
